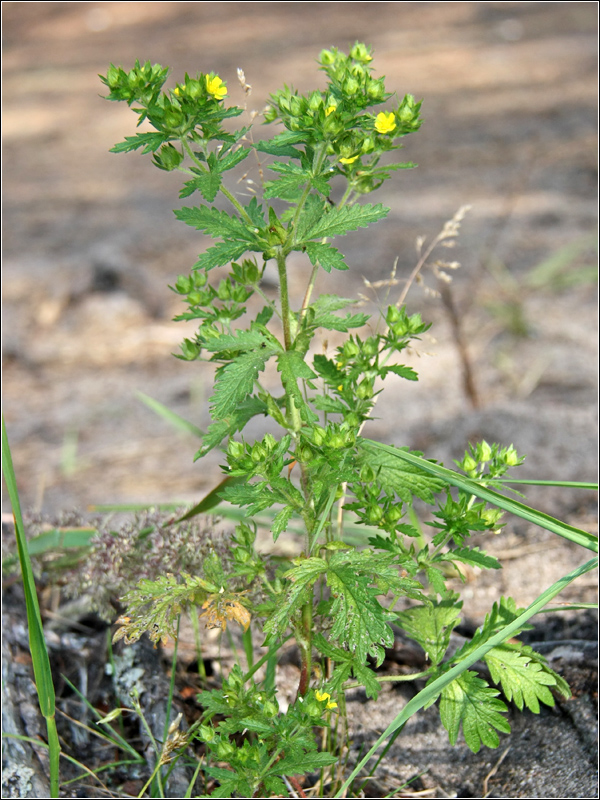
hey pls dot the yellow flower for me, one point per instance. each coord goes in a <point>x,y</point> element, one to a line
<point>348,160</point>
<point>329,110</point>
<point>385,123</point>
<point>325,696</point>
<point>176,91</point>
<point>216,87</point>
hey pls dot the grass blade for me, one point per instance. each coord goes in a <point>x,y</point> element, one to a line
<point>171,417</point>
<point>37,644</point>
<point>433,689</point>
<point>532,515</point>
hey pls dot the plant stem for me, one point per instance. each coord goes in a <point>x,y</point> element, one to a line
<point>232,199</point>
<point>305,644</point>
<point>284,298</point>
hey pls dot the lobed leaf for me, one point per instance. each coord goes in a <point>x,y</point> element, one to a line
<point>338,221</point>
<point>469,701</point>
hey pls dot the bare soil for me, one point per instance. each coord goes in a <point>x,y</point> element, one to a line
<point>90,245</point>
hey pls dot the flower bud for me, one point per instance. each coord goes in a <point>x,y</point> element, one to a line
<point>326,57</point>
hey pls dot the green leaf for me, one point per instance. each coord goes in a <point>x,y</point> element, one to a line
<point>216,223</point>
<point>470,701</point>
<point>524,679</point>
<point>207,183</point>
<point>360,622</point>
<point>404,372</point>
<point>281,145</point>
<point>257,496</point>
<point>319,314</point>
<point>230,424</point>
<point>235,381</point>
<point>431,625</point>
<point>300,579</point>
<point>306,762</point>
<point>394,475</point>
<point>312,212</point>
<point>338,221</point>
<point>151,142</point>
<point>280,521</point>
<point>473,556</point>
<point>232,158</point>
<point>293,178</point>
<point>222,253</point>
<point>325,255</point>
<point>243,341</point>
<point>292,367</point>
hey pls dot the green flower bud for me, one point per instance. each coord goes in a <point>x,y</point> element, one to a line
<point>364,390</point>
<point>235,449</point>
<point>511,458</point>
<point>367,475</point>
<point>190,351</point>
<point>376,89</point>
<point>206,733</point>
<point>195,298</point>
<point>319,435</point>
<point>393,315</point>
<point>168,158</point>
<point>258,453</point>
<point>225,750</point>
<point>270,708</point>
<point>361,52</point>
<point>370,347</point>
<point>351,86</point>
<point>183,284</point>
<point>200,279</point>
<point>375,515</point>
<point>326,57</point>
<point>468,464</point>
<point>305,454</point>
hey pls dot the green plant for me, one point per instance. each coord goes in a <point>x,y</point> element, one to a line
<point>335,599</point>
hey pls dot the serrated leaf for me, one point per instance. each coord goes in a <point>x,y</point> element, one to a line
<point>524,680</point>
<point>293,177</point>
<point>360,621</point>
<point>404,372</point>
<point>329,404</point>
<point>232,158</point>
<point>338,221</point>
<point>396,475</point>
<point>222,253</point>
<point>300,579</point>
<point>230,424</point>
<point>281,145</point>
<point>431,625</point>
<point>312,211</point>
<point>302,764</point>
<point>207,183</point>
<point>473,556</point>
<point>326,256</point>
<point>280,521</point>
<point>292,367</point>
<point>216,223</point>
<point>470,701</point>
<point>235,381</point>
<point>257,496</point>
<point>149,141</point>
<point>243,341</point>
<point>320,314</point>
<point>328,370</point>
